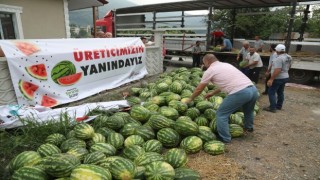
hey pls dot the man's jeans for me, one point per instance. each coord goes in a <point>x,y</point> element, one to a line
<point>245,98</point>
<point>277,86</point>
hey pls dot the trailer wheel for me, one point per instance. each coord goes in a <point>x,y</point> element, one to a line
<point>301,76</point>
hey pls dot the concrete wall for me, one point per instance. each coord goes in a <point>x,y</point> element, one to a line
<point>41,19</point>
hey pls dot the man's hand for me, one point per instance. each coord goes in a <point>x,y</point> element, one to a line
<point>238,58</point>
<point>267,74</point>
<point>208,95</point>
<point>187,101</point>
<point>269,83</point>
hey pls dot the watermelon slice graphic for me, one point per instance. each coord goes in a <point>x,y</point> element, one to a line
<point>70,80</point>
<point>27,89</point>
<point>37,71</point>
<point>48,101</point>
<point>27,48</point>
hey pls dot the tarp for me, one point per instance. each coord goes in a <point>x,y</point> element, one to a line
<point>58,71</point>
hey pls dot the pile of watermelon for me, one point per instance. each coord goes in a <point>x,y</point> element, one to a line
<point>149,142</point>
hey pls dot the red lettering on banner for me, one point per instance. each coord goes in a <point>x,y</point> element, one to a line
<point>96,54</point>
<point>78,56</point>
<point>88,55</point>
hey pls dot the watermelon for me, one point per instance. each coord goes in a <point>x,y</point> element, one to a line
<point>106,148</point>
<point>105,131</point>
<point>158,100</point>
<point>172,97</point>
<point>204,105</point>
<point>133,100</point>
<point>140,113</point>
<point>151,85</point>
<point>72,143</point>
<point>211,86</point>
<point>190,104</point>
<point>176,157</point>
<point>90,171</point>
<point>166,94</point>
<point>210,114</point>
<point>151,107</point>
<point>159,171</point>
<point>55,139</point>
<point>48,149</point>
<point>162,87</point>
<point>243,63</point>
<point>122,168</point>
<point>214,147</point>
<point>186,174</point>
<point>59,165</point>
<point>147,158</point>
<point>236,119</point>
<point>116,140</point>
<point>70,79</point>
<point>152,146</point>
<point>27,89</point>
<point>158,122</point>
<point>83,131</point>
<point>132,152</point>
<point>78,152</point>
<point>176,87</point>
<point>47,101</point>
<point>139,172</point>
<point>29,173</point>
<point>145,95</point>
<point>106,162</point>
<point>26,158</point>
<point>169,112</point>
<point>37,71</point>
<point>146,132</point>
<point>133,140</point>
<point>206,134</point>
<point>135,91</point>
<point>62,69</point>
<point>185,126</point>
<point>114,122</point>
<point>193,113</point>
<point>191,144</point>
<point>93,157</point>
<point>168,137</point>
<point>70,135</point>
<point>235,130</point>
<point>201,121</point>
<point>97,138</point>
<point>129,129</point>
<point>179,106</point>
<point>213,126</point>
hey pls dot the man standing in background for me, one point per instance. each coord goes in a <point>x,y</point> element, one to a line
<point>254,64</point>
<point>217,37</point>
<point>196,56</point>
<point>227,45</point>
<point>258,44</point>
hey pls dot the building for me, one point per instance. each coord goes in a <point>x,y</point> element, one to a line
<point>39,19</point>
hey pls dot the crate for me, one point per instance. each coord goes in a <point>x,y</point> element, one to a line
<point>7,93</point>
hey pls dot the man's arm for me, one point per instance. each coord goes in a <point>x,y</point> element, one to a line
<point>198,91</point>
<point>275,73</point>
<point>212,93</point>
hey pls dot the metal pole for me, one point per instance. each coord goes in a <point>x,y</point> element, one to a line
<point>182,19</point>
<point>209,28</point>
<point>303,27</point>
<point>154,21</point>
<point>233,27</point>
<point>292,14</point>
<point>94,21</point>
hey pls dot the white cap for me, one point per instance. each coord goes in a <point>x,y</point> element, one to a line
<point>280,48</point>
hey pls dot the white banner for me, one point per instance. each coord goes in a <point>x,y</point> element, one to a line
<point>58,71</point>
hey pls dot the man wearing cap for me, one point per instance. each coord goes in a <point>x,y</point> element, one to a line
<point>279,77</point>
<point>241,94</point>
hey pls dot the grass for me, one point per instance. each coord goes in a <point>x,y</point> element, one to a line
<point>28,138</point>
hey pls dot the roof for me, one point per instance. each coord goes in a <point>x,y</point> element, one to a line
<point>82,4</point>
<point>205,4</point>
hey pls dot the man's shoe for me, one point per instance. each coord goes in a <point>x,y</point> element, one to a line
<point>270,110</point>
<point>278,108</point>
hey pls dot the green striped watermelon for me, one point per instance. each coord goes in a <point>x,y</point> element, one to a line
<point>158,122</point>
<point>213,126</point>
<point>176,157</point>
<point>158,100</point>
<point>132,152</point>
<point>201,121</point>
<point>26,158</point>
<point>147,158</point>
<point>72,143</point>
<point>122,168</point>
<point>193,113</point>
<point>83,131</point>
<point>235,130</point>
<point>140,113</point>
<point>176,87</point>
<point>159,170</point>
<point>214,147</point>
<point>80,153</point>
<point>236,119</point>
<point>48,149</point>
<point>146,132</point>
<point>210,114</point>
<point>116,140</point>
<point>71,134</point>
<point>133,100</point>
<point>106,148</point>
<point>63,68</point>
<point>59,165</point>
<point>139,172</point>
<point>185,126</point>
<point>151,107</point>
<point>129,129</point>
<point>97,138</point>
<point>204,105</point>
<point>162,87</point>
<point>206,134</point>
<point>179,106</point>
<point>93,157</point>
<point>152,146</point>
<point>55,139</point>
<point>115,122</point>
<point>29,173</point>
<point>172,97</point>
<point>186,174</point>
<point>106,162</point>
<point>191,144</point>
<point>168,137</point>
<point>133,140</point>
<point>90,171</point>
<point>135,91</point>
<point>105,131</point>
<point>169,112</point>
<point>190,104</point>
